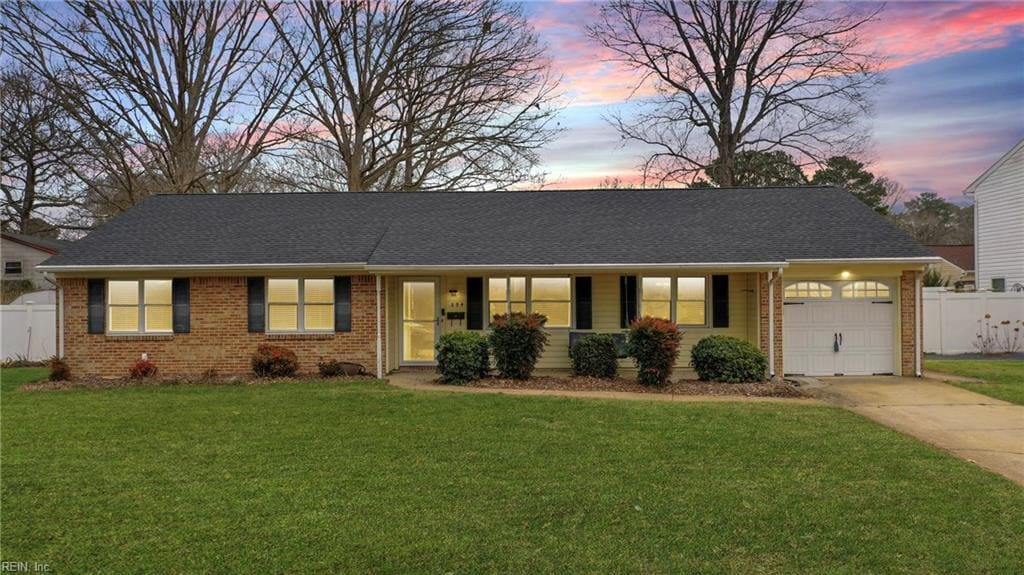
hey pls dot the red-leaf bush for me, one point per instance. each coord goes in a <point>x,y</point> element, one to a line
<point>59,370</point>
<point>654,346</point>
<point>274,361</point>
<point>517,340</point>
<point>141,369</point>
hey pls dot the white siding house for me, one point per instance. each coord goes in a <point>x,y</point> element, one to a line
<point>999,223</point>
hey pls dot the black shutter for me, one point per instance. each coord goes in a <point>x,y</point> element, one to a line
<point>584,303</point>
<point>257,305</point>
<point>627,300</point>
<point>342,303</point>
<point>474,303</point>
<point>179,293</point>
<point>720,301</point>
<point>97,306</point>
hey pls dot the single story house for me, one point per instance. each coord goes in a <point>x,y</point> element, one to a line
<point>23,252</point>
<point>819,281</point>
<point>957,265</point>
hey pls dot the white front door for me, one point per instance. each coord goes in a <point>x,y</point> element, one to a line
<point>419,321</point>
<point>839,328</point>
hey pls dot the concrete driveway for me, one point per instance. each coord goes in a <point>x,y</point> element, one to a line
<point>985,431</point>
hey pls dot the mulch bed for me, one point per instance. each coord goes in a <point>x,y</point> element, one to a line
<point>682,387</point>
<point>158,382</point>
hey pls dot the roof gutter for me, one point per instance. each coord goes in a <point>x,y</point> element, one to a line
<point>378,268</point>
<point>186,267</point>
<point>913,260</point>
<point>701,265</point>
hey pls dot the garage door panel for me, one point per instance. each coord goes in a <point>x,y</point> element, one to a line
<point>879,313</point>
<point>822,314</point>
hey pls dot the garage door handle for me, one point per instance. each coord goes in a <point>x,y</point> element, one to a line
<point>840,339</point>
<point>835,342</point>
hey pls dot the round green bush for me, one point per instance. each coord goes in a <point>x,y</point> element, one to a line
<point>728,359</point>
<point>462,356</point>
<point>595,355</point>
<point>654,345</point>
<point>517,341</point>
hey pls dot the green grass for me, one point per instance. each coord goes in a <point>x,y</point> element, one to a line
<point>362,477</point>
<point>1003,378</point>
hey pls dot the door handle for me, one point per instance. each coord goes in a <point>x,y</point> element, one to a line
<point>840,339</point>
<point>835,342</point>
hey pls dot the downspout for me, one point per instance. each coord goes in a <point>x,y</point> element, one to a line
<point>380,363</point>
<point>771,326</point>
<point>918,323</point>
<point>59,314</point>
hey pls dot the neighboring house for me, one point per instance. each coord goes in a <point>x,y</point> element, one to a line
<point>822,283</point>
<point>999,223</point>
<point>957,265</point>
<point>21,254</point>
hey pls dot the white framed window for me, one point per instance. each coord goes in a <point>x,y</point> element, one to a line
<point>808,290</point>
<point>553,298</point>
<point>12,268</point>
<point>691,301</point>
<point>865,289</point>
<point>683,300</point>
<point>300,305</point>
<point>139,306</point>
<point>506,295</point>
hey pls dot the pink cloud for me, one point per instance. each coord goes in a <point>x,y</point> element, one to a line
<point>906,33</point>
<point>913,32</point>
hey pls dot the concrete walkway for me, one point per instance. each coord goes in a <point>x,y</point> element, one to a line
<point>975,427</point>
<point>424,381</point>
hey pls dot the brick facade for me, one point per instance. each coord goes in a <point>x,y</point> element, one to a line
<point>762,307</point>
<point>219,338</point>
<point>908,323</point>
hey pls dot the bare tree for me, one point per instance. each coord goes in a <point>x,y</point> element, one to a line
<point>408,95</point>
<point>40,147</point>
<point>738,75</point>
<point>159,86</point>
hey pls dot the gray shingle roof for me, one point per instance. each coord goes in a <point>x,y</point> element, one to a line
<point>495,228</point>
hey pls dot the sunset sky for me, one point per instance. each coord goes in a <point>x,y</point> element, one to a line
<point>954,102</point>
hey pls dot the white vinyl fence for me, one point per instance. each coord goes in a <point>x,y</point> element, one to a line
<point>951,319</point>
<point>28,331</point>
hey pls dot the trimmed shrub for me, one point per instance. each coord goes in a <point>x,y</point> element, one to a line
<point>728,359</point>
<point>517,341</point>
<point>595,355</point>
<point>654,345</point>
<point>462,356</point>
<point>274,361</point>
<point>59,370</point>
<point>336,368</point>
<point>141,369</point>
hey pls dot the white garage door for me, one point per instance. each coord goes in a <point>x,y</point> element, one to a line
<point>838,328</point>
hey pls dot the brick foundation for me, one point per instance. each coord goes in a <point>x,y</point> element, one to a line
<point>908,323</point>
<point>219,337</point>
<point>762,308</point>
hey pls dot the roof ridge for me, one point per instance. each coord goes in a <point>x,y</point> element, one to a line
<point>479,192</point>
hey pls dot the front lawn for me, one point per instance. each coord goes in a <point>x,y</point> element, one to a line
<point>362,477</point>
<point>1003,378</point>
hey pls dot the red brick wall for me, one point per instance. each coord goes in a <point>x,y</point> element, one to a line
<point>219,337</point>
<point>762,307</point>
<point>908,323</point>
